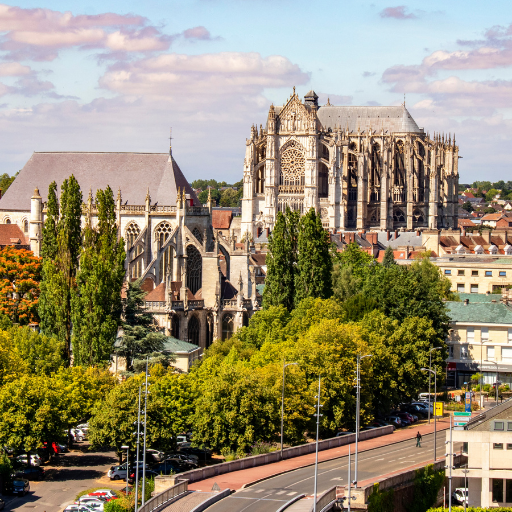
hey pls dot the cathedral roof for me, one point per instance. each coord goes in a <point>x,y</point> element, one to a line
<point>392,119</point>
<point>133,173</point>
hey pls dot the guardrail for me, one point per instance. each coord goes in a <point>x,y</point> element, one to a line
<point>164,497</point>
<point>326,500</point>
<point>259,460</point>
<point>210,501</point>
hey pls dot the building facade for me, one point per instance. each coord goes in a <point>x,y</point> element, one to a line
<point>201,281</point>
<point>360,167</point>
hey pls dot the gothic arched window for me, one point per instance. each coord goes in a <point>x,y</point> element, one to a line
<point>375,175</point>
<point>209,330</point>
<point>25,226</point>
<point>323,180</point>
<point>260,180</point>
<point>136,264</point>
<point>399,164</point>
<point>245,320</point>
<point>227,326</point>
<point>293,165</point>
<point>131,234</point>
<point>352,177</point>
<point>198,235</point>
<point>175,326</point>
<point>162,233</point>
<point>417,216</point>
<point>166,262</point>
<point>194,330</point>
<point>194,269</point>
<point>398,215</point>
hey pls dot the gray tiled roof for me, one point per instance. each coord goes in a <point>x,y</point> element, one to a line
<point>479,312</point>
<point>132,172</point>
<point>409,238</point>
<point>392,119</point>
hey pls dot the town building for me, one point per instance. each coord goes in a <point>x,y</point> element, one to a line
<point>200,279</point>
<point>480,338</point>
<point>359,167</point>
<point>487,441</point>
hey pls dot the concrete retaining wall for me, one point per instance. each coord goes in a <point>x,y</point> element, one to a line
<point>267,458</point>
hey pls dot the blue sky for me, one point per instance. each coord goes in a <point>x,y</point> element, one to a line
<point>114,76</point>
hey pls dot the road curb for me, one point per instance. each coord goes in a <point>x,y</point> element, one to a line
<point>254,482</point>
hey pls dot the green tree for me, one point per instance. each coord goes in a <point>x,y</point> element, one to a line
<point>96,303</point>
<point>314,263</point>
<point>281,262</point>
<point>490,194</point>
<point>140,335</point>
<point>6,181</point>
<point>468,207</point>
<point>229,198</point>
<point>30,413</point>
<point>389,258</point>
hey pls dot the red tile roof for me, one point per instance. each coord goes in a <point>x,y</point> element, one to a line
<point>465,223</point>
<point>157,295</point>
<point>221,219</point>
<point>11,234</point>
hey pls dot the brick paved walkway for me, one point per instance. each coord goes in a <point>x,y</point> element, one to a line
<point>238,479</point>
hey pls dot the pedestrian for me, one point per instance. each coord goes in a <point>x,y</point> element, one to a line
<point>418,440</point>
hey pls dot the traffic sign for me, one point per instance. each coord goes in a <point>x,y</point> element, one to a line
<point>461,423</point>
<point>456,413</point>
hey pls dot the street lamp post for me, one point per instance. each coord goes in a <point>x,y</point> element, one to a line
<point>282,406</point>
<point>496,391</point>
<point>358,407</point>
<point>127,448</point>
<point>137,460</point>
<point>435,415</point>
<point>146,393</point>
<point>430,367</point>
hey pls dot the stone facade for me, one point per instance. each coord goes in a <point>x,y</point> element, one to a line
<point>360,167</point>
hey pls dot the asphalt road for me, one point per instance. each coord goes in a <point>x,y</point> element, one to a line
<point>64,478</point>
<point>270,494</point>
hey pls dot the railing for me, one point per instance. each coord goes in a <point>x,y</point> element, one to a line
<point>164,497</point>
<point>177,304</point>
<point>229,303</point>
<point>193,304</point>
<point>326,499</point>
<point>291,189</point>
<point>164,208</point>
<point>155,305</point>
<point>133,208</point>
<point>198,210</point>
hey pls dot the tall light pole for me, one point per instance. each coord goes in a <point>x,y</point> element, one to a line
<point>358,407</point>
<point>127,448</point>
<point>496,393</point>
<point>282,406</point>
<point>318,416</point>
<point>435,415</point>
<point>430,367</point>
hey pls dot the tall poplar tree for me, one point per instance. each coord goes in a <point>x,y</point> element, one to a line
<point>96,305</point>
<point>314,263</point>
<point>281,262</point>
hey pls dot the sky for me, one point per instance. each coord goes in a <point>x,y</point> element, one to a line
<point>116,76</point>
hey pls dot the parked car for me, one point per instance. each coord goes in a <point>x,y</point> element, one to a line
<point>77,508</point>
<point>93,502</point>
<point>415,410</point>
<point>460,495</point>
<point>167,468</point>
<point>35,459</point>
<point>184,456</point>
<point>202,453</point>
<point>63,448</point>
<point>394,420</point>
<point>105,493</point>
<point>181,457</point>
<point>118,472</point>
<point>149,474</point>
<point>78,434</point>
<point>155,455</point>
<point>405,417</point>
<point>31,473</point>
<point>19,486</point>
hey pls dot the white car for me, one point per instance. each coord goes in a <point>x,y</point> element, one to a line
<point>77,508</point>
<point>461,495</point>
<point>118,472</point>
<point>35,460</point>
<point>92,502</point>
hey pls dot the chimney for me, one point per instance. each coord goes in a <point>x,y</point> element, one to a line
<point>463,231</point>
<point>388,235</point>
<point>466,302</point>
<point>417,232</point>
<point>267,231</point>
<point>486,235</point>
<point>0,193</point>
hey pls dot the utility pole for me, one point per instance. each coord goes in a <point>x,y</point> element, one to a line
<point>318,416</point>
<point>430,367</point>
<point>435,414</point>
<point>449,465</point>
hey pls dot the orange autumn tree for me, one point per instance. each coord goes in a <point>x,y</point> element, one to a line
<point>20,274</point>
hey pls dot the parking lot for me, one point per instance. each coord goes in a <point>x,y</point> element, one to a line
<point>65,477</point>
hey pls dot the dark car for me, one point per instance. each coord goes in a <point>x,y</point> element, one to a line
<point>31,473</point>
<point>203,454</point>
<point>415,409</point>
<point>19,486</point>
<point>405,417</point>
<point>149,474</point>
<point>167,468</point>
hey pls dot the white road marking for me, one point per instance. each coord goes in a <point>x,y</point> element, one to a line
<point>378,459</point>
<point>280,492</point>
<point>259,490</point>
<point>292,493</point>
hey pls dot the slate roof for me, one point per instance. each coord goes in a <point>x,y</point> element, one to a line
<point>409,238</point>
<point>392,119</point>
<point>479,312</point>
<point>480,297</point>
<point>177,346</point>
<point>133,173</point>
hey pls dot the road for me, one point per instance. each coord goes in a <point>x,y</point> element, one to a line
<point>270,494</point>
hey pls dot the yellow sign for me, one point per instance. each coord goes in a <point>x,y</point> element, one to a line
<point>438,408</point>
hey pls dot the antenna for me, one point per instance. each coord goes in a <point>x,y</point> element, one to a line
<point>170,141</point>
